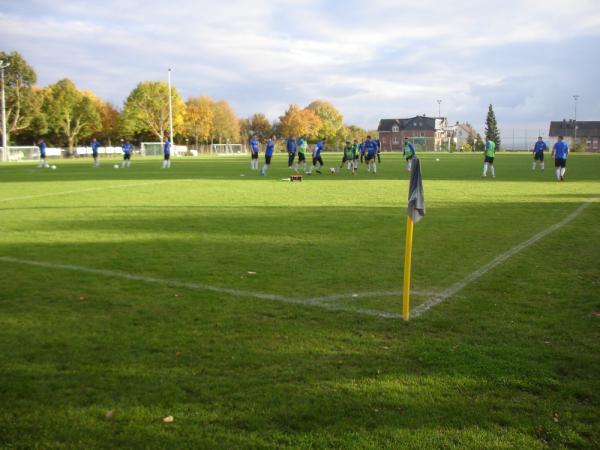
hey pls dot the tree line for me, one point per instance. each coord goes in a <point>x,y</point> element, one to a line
<point>67,116</point>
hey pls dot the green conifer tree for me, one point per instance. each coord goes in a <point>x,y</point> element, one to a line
<point>491,127</point>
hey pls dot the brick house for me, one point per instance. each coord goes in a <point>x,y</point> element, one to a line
<point>588,132</point>
<point>426,132</point>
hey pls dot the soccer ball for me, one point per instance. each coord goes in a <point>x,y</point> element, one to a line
<point>437,159</point>
<point>116,166</point>
<point>332,169</point>
<point>53,167</point>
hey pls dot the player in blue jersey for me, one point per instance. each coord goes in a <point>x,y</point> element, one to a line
<point>166,154</point>
<point>269,150</point>
<point>409,153</point>
<point>127,150</point>
<point>291,149</point>
<point>95,145</point>
<point>254,147</point>
<point>361,149</point>
<point>42,146</point>
<point>316,156</point>
<point>378,142</point>
<point>370,147</point>
<point>559,153</point>
<point>538,153</point>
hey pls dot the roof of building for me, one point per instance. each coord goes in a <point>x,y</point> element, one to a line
<point>413,123</point>
<point>585,128</point>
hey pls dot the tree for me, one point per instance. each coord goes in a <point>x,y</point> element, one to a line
<point>226,126</point>
<point>199,117</point>
<point>260,127</point>
<point>110,129</point>
<point>298,122</point>
<point>23,103</point>
<point>331,119</point>
<point>70,113</point>
<point>147,110</point>
<point>491,127</point>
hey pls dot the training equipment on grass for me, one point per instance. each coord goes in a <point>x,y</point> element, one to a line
<point>296,177</point>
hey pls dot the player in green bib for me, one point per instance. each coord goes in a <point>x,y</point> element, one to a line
<point>349,157</point>
<point>302,145</point>
<point>490,152</point>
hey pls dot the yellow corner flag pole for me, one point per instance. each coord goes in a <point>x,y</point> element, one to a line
<point>407,261</point>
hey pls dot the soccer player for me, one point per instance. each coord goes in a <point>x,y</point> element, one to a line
<point>167,154</point>
<point>42,146</point>
<point>408,153</point>
<point>254,153</point>
<point>302,146</point>
<point>95,146</point>
<point>371,150</point>
<point>127,149</point>
<point>378,142</point>
<point>349,157</point>
<point>559,154</point>
<point>291,149</point>
<point>538,153</point>
<point>490,152</point>
<point>361,148</point>
<point>355,146</point>
<point>316,156</point>
<point>269,149</point>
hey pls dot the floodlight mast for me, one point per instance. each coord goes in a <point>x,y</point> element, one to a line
<point>170,111</point>
<point>575,98</point>
<point>3,66</point>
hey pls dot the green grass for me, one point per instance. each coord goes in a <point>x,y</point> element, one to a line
<point>511,361</point>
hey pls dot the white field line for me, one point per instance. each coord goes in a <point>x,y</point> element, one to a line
<point>449,292</point>
<point>204,287</point>
<point>370,294</point>
<point>78,191</point>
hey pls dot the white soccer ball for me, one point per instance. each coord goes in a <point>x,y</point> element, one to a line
<point>332,169</point>
<point>437,159</point>
<point>53,167</point>
<point>116,166</point>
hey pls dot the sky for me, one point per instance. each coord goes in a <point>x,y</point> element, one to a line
<point>372,60</point>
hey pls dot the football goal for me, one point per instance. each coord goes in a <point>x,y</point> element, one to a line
<point>156,149</point>
<point>228,149</point>
<point>22,153</point>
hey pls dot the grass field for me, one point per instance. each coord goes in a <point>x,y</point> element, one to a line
<point>266,314</point>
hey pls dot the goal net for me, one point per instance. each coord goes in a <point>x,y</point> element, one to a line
<point>22,153</point>
<point>156,149</point>
<point>228,149</point>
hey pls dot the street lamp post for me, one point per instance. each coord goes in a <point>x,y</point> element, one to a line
<point>575,98</point>
<point>3,66</point>
<point>170,112</point>
<point>439,102</point>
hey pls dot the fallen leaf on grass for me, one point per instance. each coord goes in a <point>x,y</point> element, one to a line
<point>597,313</point>
<point>109,414</point>
<point>168,419</point>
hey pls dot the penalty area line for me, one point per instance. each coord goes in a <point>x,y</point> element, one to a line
<point>204,287</point>
<point>458,286</point>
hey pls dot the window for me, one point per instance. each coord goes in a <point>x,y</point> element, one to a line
<point>395,140</point>
<point>395,128</point>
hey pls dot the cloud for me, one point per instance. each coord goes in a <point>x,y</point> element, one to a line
<point>385,58</point>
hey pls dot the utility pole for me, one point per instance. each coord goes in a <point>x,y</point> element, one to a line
<point>575,98</point>
<point>170,112</point>
<point>3,66</point>
<point>439,102</point>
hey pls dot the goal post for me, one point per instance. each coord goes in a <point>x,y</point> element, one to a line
<point>22,153</point>
<point>228,149</point>
<point>156,149</point>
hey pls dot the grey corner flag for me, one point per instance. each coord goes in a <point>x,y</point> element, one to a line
<point>416,197</point>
